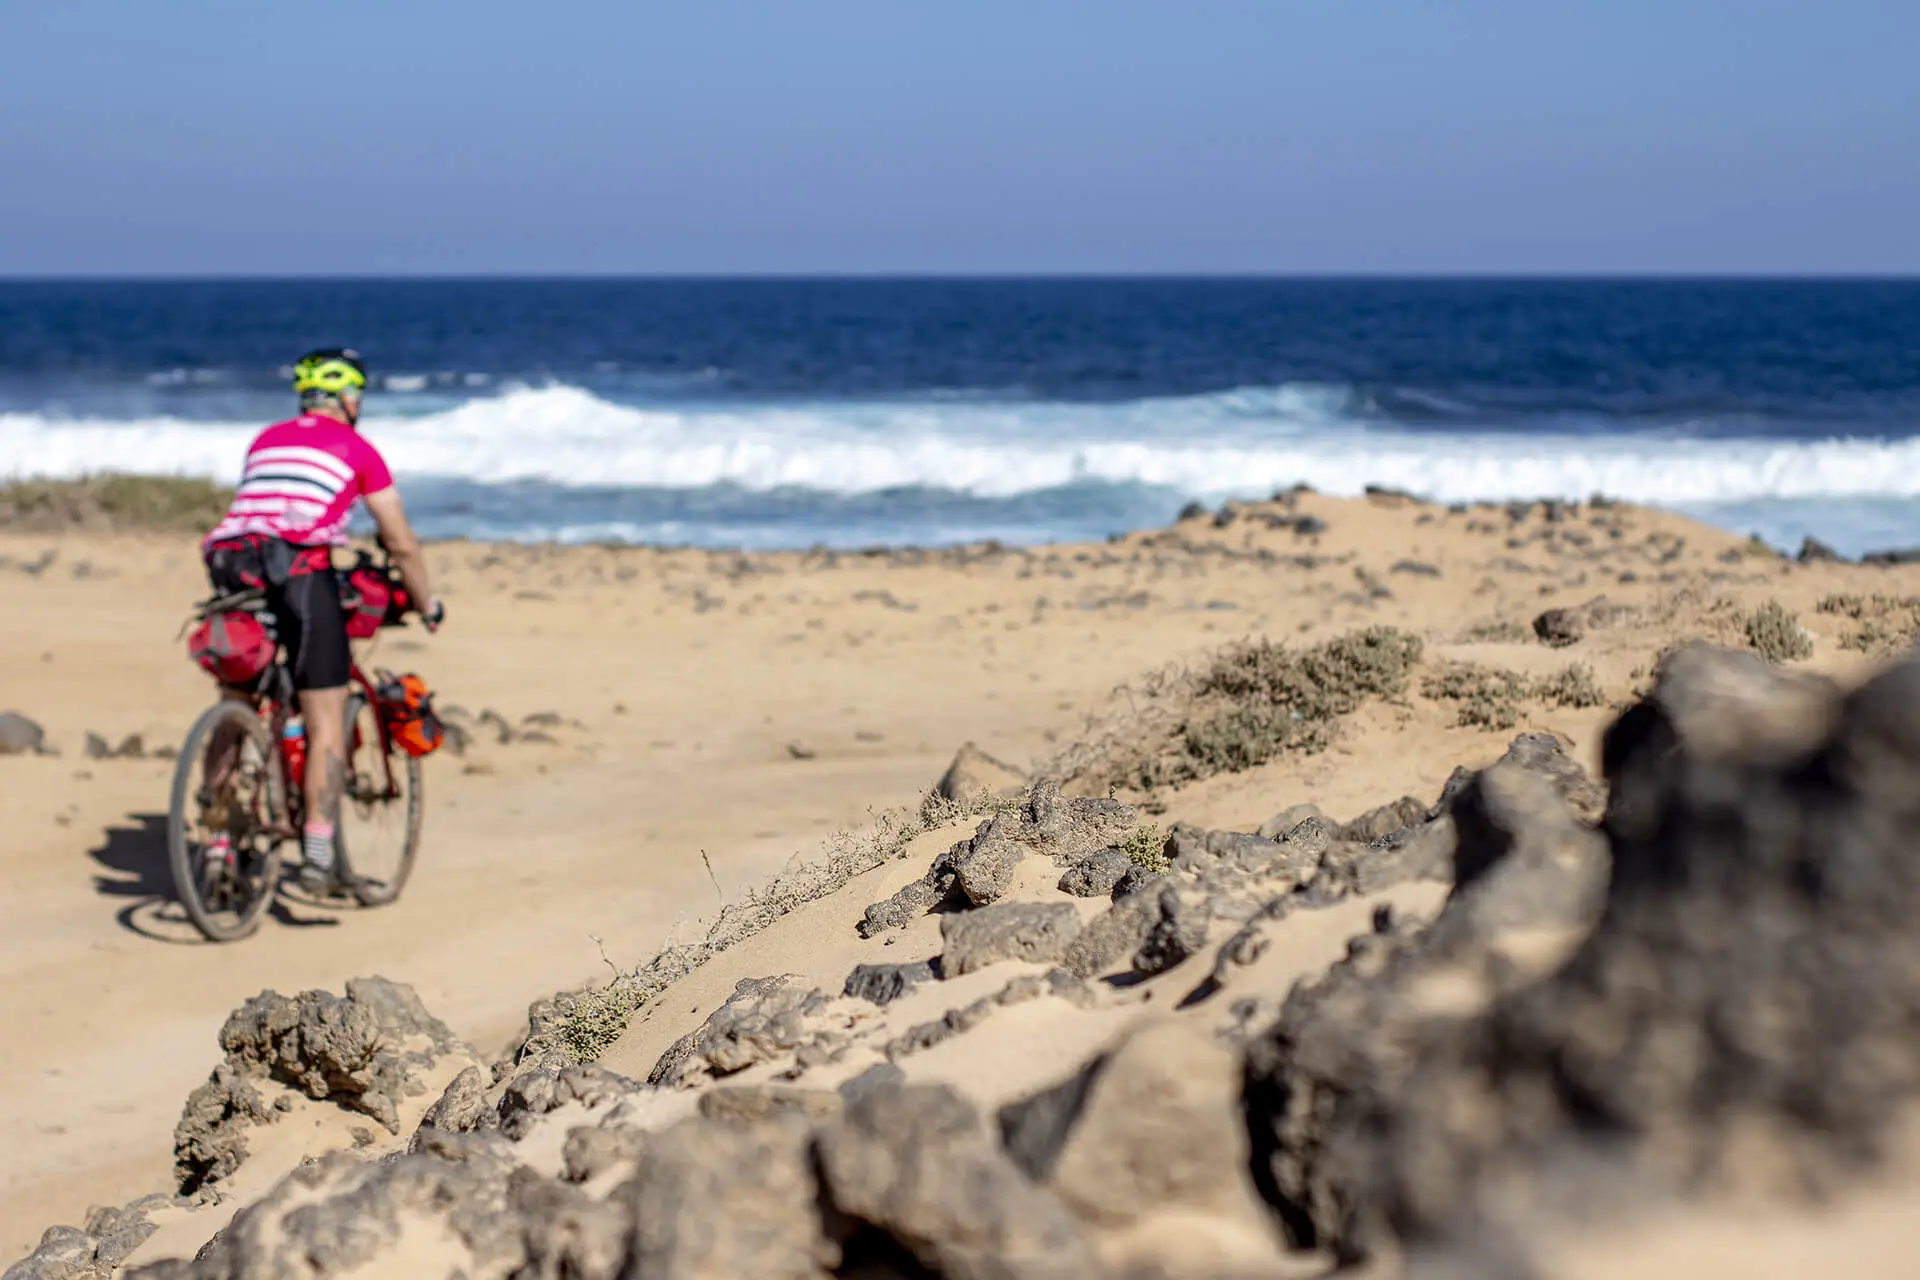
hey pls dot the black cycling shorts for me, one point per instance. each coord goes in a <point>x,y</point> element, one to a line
<point>304,596</point>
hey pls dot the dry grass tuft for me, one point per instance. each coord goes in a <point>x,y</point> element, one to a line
<point>592,1020</point>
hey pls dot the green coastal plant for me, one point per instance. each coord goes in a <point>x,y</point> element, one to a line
<point>1146,848</point>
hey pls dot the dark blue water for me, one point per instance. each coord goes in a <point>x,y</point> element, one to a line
<point>793,411</point>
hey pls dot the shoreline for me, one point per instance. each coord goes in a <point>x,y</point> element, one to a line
<point>113,502</point>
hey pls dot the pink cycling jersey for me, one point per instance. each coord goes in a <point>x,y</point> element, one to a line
<point>301,480</point>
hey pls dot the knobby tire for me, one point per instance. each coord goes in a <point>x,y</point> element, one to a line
<point>260,799</point>
<point>366,765</point>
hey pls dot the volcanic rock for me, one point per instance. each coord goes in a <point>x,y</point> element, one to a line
<point>1754,965</point>
<point>974,773</point>
<point>916,1165</point>
<point>712,1198</point>
<point>763,1018</point>
<point>884,983</point>
<point>1095,875</point>
<point>365,1051</point>
<point>1037,933</point>
<point>19,735</point>
<point>979,870</point>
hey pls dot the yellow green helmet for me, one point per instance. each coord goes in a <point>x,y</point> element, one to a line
<point>332,371</point>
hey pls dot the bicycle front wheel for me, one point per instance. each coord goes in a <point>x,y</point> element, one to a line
<point>226,801</point>
<point>379,830</point>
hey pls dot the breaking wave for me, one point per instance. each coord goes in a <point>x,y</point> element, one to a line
<point>1234,443</point>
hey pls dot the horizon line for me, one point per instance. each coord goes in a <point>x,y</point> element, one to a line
<point>830,277</point>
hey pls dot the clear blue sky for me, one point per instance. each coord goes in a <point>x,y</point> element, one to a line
<point>591,136</point>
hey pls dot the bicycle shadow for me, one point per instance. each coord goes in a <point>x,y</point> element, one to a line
<point>132,864</point>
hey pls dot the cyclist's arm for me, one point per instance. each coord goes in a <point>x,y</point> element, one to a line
<point>403,547</point>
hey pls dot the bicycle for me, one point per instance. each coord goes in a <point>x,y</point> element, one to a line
<point>249,750</point>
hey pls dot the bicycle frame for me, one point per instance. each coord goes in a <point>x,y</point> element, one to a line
<point>274,700</point>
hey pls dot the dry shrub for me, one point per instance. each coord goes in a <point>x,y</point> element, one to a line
<point>1278,699</point>
<point>1571,686</point>
<point>1775,634</point>
<point>1887,623</point>
<point>1499,631</point>
<point>1489,697</point>
<point>1492,697</point>
<point>1246,704</point>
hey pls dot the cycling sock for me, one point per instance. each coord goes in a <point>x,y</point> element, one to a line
<point>316,845</point>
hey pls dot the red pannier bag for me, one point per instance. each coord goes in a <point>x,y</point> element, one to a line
<point>406,708</point>
<point>233,648</point>
<point>365,595</point>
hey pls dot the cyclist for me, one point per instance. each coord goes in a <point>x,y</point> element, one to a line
<point>300,482</point>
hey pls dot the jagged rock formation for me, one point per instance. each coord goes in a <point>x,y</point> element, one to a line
<point>366,1052</point>
<point>884,983</point>
<point>93,1252</point>
<point>1037,933</point>
<point>763,1017</point>
<point>916,1168</point>
<point>1753,971</point>
<point>886,1174</point>
<point>979,870</point>
<point>1095,875</point>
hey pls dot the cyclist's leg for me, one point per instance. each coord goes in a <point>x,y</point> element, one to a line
<point>315,631</point>
<point>325,711</point>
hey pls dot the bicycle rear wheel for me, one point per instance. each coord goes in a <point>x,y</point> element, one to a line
<point>225,784</point>
<point>379,830</point>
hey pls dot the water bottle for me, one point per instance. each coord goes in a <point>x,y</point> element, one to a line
<point>293,747</point>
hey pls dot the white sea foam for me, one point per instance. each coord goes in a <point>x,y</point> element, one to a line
<point>1236,443</point>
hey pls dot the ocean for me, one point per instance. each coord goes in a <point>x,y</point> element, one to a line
<point>794,412</point>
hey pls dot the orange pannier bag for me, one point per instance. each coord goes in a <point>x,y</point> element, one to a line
<point>406,709</point>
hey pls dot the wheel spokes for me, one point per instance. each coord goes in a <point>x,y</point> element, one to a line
<point>231,803</point>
